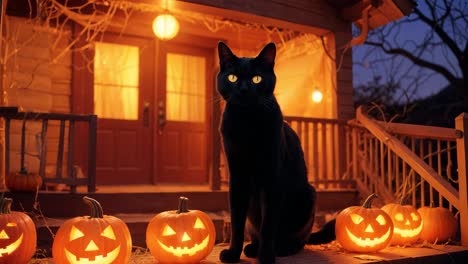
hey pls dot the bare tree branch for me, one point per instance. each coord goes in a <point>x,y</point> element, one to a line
<point>441,32</point>
<point>417,60</point>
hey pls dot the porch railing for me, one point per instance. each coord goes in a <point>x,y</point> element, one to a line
<point>60,123</point>
<point>326,145</point>
<point>326,150</point>
<point>421,163</point>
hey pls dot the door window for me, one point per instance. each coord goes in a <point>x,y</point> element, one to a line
<point>185,87</point>
<point>116,72</point>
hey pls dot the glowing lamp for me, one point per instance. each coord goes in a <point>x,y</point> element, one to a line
<point>317,96</point>
<point>165,26</point>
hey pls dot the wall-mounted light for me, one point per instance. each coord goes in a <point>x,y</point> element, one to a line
<point>165,26</point>
<point>317,96</point>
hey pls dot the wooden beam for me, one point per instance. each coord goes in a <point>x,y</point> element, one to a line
<point>354,12</point>
<point>461,123</point>
<point>431,132</point>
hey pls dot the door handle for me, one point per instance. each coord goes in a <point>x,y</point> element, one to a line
<point>161,117</point>
<point>146,108</point>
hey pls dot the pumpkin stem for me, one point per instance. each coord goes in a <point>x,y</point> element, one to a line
<point>5,206</point>
<point>402,201</point>
<point>368,202</point>
<point>96,208</point>
<point>183,205</point>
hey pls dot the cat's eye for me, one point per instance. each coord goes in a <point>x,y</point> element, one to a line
<point>256,79</point>
<point>232,78</point>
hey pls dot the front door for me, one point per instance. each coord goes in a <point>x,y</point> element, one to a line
<point>183,113</point>
<point>123,97</point>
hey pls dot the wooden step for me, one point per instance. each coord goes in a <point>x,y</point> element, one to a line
<point>63,205</point>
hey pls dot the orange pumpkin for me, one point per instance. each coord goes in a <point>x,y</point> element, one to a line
<point>439,224</point>
<point>180,236</point>
<point>23,181</point>
<point>17,235</point>
<point>97,238</point>
<point>407,223</point>
<point>363,229</point>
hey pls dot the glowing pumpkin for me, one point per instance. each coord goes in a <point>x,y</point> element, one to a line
<point>17,235</point>
<point>439,224</point>
<point>363,229</point>
<point>180,236</point>
<point>98,238</point>
<point>407,223</point>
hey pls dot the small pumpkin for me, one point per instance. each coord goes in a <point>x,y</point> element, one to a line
<point>407,223</point>
<point>440,225</point>
<point>180,236</point>
<point>17,235</point>
<point>363,228</point>
<point>98,238</point>
<point>23,180</point>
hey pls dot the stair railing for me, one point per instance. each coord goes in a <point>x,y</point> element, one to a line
<point>426,164</point>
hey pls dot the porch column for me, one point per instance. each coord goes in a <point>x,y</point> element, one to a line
<point>461,124</point>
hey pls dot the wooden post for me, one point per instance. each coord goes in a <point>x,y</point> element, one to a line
<point>354,156</point>
<point>461,124</point>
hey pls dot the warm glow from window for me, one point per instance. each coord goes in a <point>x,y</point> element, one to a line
<point>185,87</point>
<point>116,72</point>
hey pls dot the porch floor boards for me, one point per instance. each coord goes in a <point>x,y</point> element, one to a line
<point>331,253</point>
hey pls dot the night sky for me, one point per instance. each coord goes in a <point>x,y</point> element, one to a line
<point>421,82</point>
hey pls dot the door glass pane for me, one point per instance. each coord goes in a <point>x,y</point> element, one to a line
<point>116,81</point>
<point>185,87</point>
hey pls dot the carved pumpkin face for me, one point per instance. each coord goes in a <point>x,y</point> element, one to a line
<point>180,236</point>
<point>363,229</point>
<point>17,235</point>
<point>407,223</point>
<point>99,239</point>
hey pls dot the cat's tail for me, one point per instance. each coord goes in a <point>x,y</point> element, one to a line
<point>325,235</point>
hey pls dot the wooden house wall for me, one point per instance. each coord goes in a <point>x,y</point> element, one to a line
<point>39,80</point>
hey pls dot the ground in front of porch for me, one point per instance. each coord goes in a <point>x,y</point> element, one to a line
<point>333,253</point>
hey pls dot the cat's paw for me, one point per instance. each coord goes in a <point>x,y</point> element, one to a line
<point>229,256</point>
<point>251,250</point>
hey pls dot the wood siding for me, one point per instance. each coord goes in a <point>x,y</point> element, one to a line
<point>37,80</point>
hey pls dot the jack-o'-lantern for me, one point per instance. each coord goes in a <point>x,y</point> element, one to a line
<point>439,224</point>
<point>180,236</point>
<point>98,238</point>
<point>363,228</point>
<point>17,235</point>
<point>407,223</point>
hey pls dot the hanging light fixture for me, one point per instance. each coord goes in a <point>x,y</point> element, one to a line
<point>165,25</point>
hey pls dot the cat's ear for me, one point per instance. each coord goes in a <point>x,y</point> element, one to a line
<point>268,54</point>
<point>225,54</point>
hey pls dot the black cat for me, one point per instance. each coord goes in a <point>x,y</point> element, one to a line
<point>268,176</point>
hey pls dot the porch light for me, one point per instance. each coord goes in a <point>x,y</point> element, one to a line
<point>165,26</point>
<point>317,96</point>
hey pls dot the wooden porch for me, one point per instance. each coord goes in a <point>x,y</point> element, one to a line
<point>346,161</point>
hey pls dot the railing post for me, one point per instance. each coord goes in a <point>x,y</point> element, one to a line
<point>354,154</point>
<point>461,124</point>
